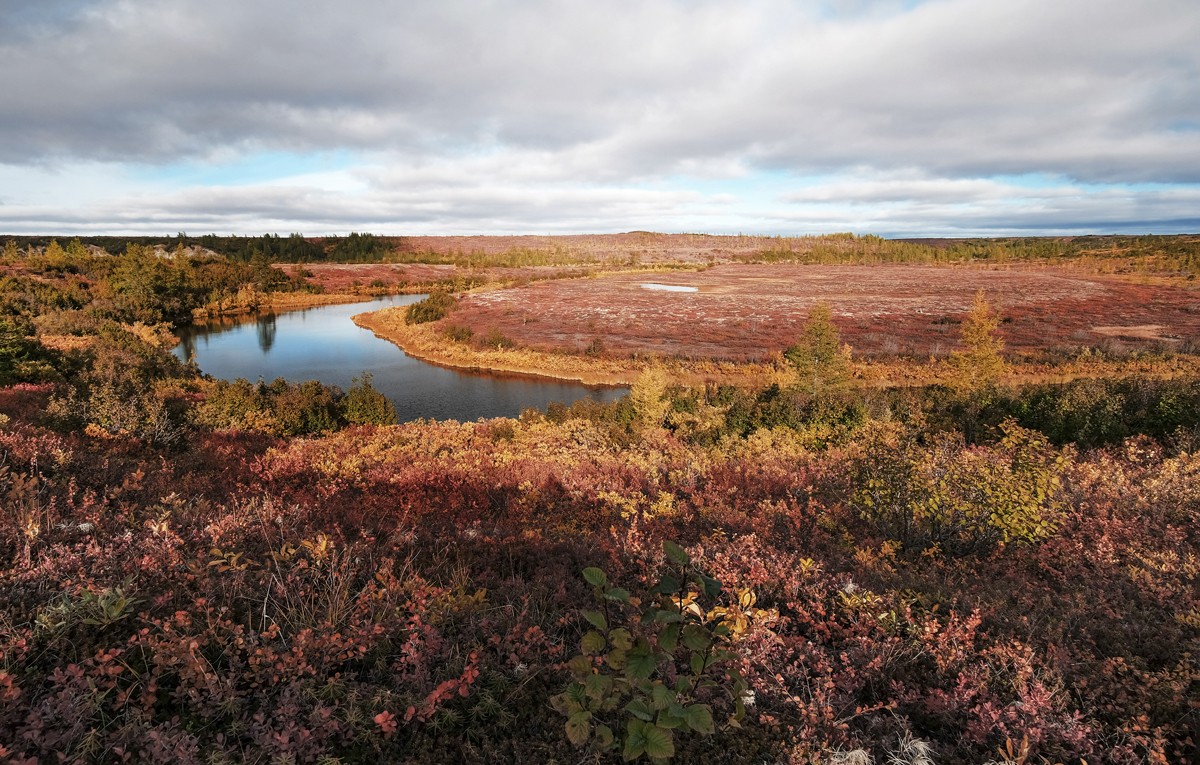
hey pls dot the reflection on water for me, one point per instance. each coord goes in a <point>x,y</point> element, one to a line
<point>266,332</point>
<point>323,344</point>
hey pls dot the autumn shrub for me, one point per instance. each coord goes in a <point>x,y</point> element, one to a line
<point>79,322</point>
<point>30,297</point>
<point>124,385</point>
<point>284,408</point>
<point>412,594</point>
<point>956,498</point>
<point>239,405</point>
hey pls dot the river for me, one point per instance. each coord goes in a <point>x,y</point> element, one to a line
<point>322,343</point>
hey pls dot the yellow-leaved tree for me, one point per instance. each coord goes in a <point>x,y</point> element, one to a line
<point>976,370</point>
<point>979,367</point>
<point>649,396</point>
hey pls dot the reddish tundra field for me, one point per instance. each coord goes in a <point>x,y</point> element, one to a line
<point>417,277</point>
<point>642,246</point>
<point>747,312</point>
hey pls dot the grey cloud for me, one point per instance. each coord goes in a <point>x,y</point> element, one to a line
<point>1096,90</point>
<point>436,208</point>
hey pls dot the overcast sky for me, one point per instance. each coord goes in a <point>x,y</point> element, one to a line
<point>900,118</point>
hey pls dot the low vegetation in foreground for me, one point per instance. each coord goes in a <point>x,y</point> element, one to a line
<point>800,572</point>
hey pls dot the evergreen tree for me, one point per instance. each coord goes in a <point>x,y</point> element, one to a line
<point>14,351</point>
<point>822,362</point>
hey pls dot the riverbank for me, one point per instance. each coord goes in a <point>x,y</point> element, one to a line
<point>429,343</point>
<point>282,301</point>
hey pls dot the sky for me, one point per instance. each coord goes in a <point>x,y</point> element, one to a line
<point>889,117</point>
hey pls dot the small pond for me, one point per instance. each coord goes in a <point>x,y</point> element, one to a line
<point>322,343</point>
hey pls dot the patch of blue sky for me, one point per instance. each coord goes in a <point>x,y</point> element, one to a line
<point>840,9</point>
<point>249,169</point>
<point>24,15</point>
<point>1032,181</point>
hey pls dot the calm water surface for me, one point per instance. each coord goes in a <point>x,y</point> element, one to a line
<point>323,344</point>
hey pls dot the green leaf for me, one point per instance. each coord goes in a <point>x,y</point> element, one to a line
<point>640,709</point>
<point>604,736</point>
<point>669,638</point>
<point>618,593</point>
<point>658,743</point>
<point>580,666</point>
<point>596,619</point>
<point>712,587</point>
<point>696,637</point>
<point>697,663</point>
<point>620,638</point>
<point>672,716</point>
<point>579,727</point>
<point>617,658</point>
<point>598,686</point>
<point>675,553</point>
<point>667,585</point>
<point>595,576</point>
<point>592,643</point>
<point>661,696</point>
<point>635,740</point>
<point>575,694</point>
<point>641,661</point>
<point>699,718</point>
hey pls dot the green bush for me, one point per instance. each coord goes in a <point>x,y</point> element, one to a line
<point>364,405</point>
<point>659,666</point>
<point>22,358</point>
<point>460,334</point>
<point>432,308</point>
<point>306,408</point>
<point>497,340</point>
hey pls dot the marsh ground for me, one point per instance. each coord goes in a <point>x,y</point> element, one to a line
<point>749,311</point>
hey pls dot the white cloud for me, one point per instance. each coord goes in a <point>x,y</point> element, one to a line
<point>525,105</point>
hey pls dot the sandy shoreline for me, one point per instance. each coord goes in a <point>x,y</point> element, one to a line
<point>423,342</point>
